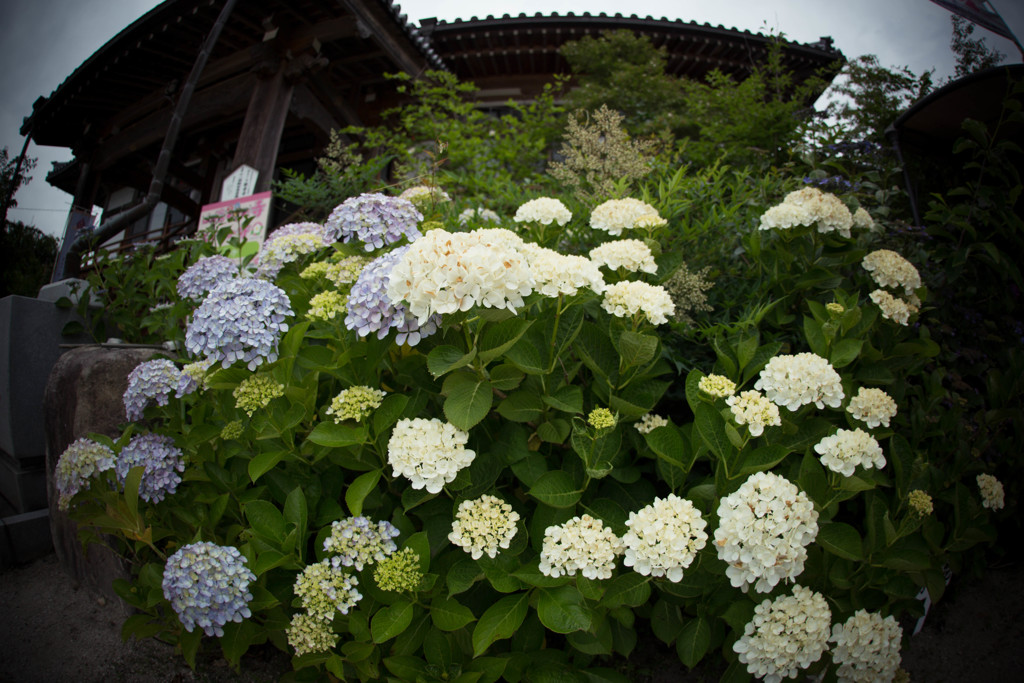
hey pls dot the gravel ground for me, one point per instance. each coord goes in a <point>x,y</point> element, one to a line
<point>53,631</point>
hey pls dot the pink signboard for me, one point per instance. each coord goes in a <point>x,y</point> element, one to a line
<point>246,216</point>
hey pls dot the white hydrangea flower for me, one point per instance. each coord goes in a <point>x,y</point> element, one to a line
<point>862,219</point>
<point>544,210</point>
<point>325,589</point>
<point>444,272</point>
<point>845,450</point>
<point>718,386</point>
<point>308,634</point>
<point>649,422</point>
<point>627,299</point>
<point>556,273</point>
<point>867,648</point>
<point>872,406</point>
<point>810,206</point>
<point>889,269</point>
<point>991,492</point>
<point>480,215</point>
<point>616,215</point>
<point>632,255</point>
<point>794,381</point>
<point>664,538</point>
<point>483,525</point>
<point>786,635</point>
<point>893,308</point>
<point>420,195</point>
<point>582,544</point>
<point>429,453</point>
<point>764,528</point>
<point>751,408</point>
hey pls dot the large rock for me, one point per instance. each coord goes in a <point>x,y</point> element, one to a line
<point>85,395</point>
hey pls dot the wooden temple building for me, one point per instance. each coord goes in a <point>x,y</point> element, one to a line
<point>284,73</point>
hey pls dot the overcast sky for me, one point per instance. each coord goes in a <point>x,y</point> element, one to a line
<point>43,41</point>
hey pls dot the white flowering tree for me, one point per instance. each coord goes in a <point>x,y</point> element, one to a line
<point>456,453</point>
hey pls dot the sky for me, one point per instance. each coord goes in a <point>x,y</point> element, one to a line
<point>43,41</point>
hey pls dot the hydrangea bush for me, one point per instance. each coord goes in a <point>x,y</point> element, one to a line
<point>517,474</point>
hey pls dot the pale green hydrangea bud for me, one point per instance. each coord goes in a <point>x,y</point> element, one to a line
<point>307,635</point>
<point>601,418</point>
<point>355,403</point>
<point>717,386</point>
<point>399,572</point>
<point>256,392</point>
<point>232,430</point>
<point>325,589</point>
<point>920,503</point>
<point>327,305</point>
<point>835,309</point>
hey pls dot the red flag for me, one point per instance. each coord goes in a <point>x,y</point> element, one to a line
<point>979,12</point>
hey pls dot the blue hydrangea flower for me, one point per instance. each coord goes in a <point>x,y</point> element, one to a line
<point>370,309</point>
<point>208,586</point>
<point>242,319</point>
<point>374,219</point>
<point>193,377</point>
<point>78,463</point>
<point>161,458</point>
<point>356,541</point>
<point>287,244</point>
<point>204,275</point>
<point>150,380</point>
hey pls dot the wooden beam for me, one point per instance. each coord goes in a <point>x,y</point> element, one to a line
<point>307,107</point>
<point>263,125</point>
<point>385,33</point>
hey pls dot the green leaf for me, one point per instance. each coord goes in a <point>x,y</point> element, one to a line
<point>499,338</point>
<point>531,575</point>
<point>563,610</point>
<point>462,575</point>
<point>420,544</point>
<point>391,620</point>
<point>389,411</point>
<point>711,428</point>
<point>693,641</point>
<point>500,621</point>
<point>636,349</point>
<point>357,491</point>
<point>630,589</point>
<point>815,337</point>
<point>189,643</point>
<point>556,489</point>
<point>236,640</point>
<point>596,351</point>
<point>406,667</point>
<point>295,509</point>
<point>506,377</point>
<point>443,359</point>
<point>469,399</point>
<point>269,559</point>
<point>448,614</point>
<point>841,539</point>
<point>568,399</point>
<point>521,406</point>
<point>266,521</point>
<point>845,352</point>
<point>527,354</point>
<point>760,459</point>
<point>262,463</point>
<point>638,398</point>
<point>338,435</point>
<point>554,431</point>
<point>666,621</point>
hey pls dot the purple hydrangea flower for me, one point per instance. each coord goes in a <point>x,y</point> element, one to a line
<point>370,309</point>
<point>242,319</point>
<point>287,244</point>
<point>204,275</point>
<point>208,586</point>
<point>374,219</point>
<point>161,458</point>
<point>150,380</point>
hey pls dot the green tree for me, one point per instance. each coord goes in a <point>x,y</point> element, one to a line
<point>26,259</point>
<point>972,55</point>
<point>627,73</point>
<point>12,178</point>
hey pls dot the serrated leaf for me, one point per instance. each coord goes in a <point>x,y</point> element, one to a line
<point>563,610</point>
<point>636,349</point>
<point>631,589</point>
<point>521,406</point>
<point>448,614</point>
<point>391,620</point>
<point>266,520</point>
<point>499,338</point>
<point>236,640</point>
<point>760,459</point>
<point>469,399</point>
<point>357,491</point>
<point>845,352</point>
<point>506,377</point>
<point>338,435</point>
<point>556,489</point>
<point>500,621</point>
<point>443,359</point>
<point>841,540</point>
<point>262,463</point>
<point>568,399</point>
<point>388,412</point>
<point>693,641</point>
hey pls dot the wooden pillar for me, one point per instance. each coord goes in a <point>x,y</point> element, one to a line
<point>264,124</point>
